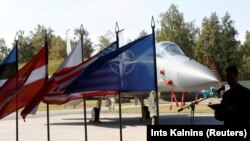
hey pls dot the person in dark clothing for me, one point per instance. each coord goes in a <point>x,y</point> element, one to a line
<point>234,104</point>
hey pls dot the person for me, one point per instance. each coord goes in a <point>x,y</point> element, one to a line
<point>112,100</point>
<point>234,109</point>
<point>108,103</point>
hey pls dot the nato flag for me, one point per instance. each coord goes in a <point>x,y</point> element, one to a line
<point>129,68</point>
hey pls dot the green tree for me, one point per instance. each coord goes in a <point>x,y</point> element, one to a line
<point>4,50</point>
<point>217,41</point>
<point>228,51</point>
<point>25,50</point>
<point>58,48</point>
<point>106,40</point>
<point>174,28</point>
<point>244,69</point>
<point>37,37</point>
<point>31,44</point>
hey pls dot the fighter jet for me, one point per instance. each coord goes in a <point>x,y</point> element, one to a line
<point>178,72</point>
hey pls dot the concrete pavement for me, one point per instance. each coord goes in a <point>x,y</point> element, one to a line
<point>68,125</point>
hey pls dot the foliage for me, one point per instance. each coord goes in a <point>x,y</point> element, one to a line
<point>244,69</point>
<point>217,41</point>
<point>4,50</point>
<point>106,39</point>
<point>87,43</point>
<point>142,34</point>
<point>30,45</point>
<point>175,29</point>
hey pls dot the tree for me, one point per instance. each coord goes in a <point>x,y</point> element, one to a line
<point>25,49</point>
<point>142,34</point>
<point>31,44</point>
<point>174,28</point>
<point>217,41</point>
<point>37,38</point>
<point>4,50</point>
<point>106,39</point>
<point>87,43</point>
<point>228,53</point>
<point>208,38</point>
<point>244,69</point>
<point>58,48</point>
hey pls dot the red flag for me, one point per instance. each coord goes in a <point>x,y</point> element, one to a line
<point>22,86</point>
<point>53,91</point>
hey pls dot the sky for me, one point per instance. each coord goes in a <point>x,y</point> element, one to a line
<point>99,16</point>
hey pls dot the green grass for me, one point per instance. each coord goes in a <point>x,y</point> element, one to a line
<point>199,108</point>
<point>53,65</point>
<point>89,104</point>
<point>166,109</point>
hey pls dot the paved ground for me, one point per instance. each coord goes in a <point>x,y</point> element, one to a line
<point>67,125</point>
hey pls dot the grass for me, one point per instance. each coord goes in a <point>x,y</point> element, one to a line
<point>166,109</point>
<point>163,108</point>
<point>89,104</point>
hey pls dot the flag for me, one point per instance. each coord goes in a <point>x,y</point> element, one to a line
<point>24,84</point>
<point>131,67</point>
<point>52,92</point>
<point>8,66</point>
<point>63,79</point>
<point>73,59</point>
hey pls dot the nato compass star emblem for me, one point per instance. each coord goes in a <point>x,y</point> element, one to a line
<point>124,63</point>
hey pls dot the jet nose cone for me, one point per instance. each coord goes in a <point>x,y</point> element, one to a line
<point>195,76</point>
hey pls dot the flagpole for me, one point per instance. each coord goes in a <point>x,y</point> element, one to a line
<point>84,99</point>
<point>119,93</point>
<point>17,127</point>
<point>156,86</point>
<point>46,79</point>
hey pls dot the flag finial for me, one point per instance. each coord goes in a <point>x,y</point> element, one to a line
<point>152,22</point>
<point>117,30</point>
<point>81,30</point>
<point>116,27</point>
<point>16,36</point>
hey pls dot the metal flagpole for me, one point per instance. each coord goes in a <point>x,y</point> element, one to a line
<point>156,86</point>
<point>48,124</point>
<point>16,44</point>
<point>84,99</point>
<point>119,93</point>
<point>46,78</point>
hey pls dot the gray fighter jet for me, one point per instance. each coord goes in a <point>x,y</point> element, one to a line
<point>178,72</point>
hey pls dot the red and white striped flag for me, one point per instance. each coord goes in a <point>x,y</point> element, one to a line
<point>53,91</point>
<point>65,76</point>
<point>24,85</point>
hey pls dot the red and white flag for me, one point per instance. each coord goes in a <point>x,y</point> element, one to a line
<point>53,91</point>
<point>73,59</point>
<point>19,90</point>
<point>66,76</point>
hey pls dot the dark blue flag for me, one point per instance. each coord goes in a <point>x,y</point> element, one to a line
<point>128,68</point>
<point>8,66</point>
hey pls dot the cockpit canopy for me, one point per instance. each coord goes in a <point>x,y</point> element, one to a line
<point>166,49</point>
